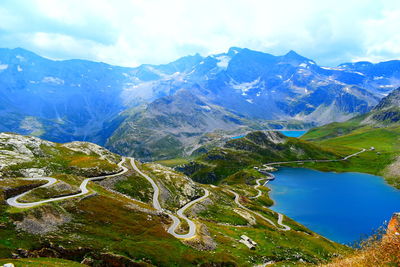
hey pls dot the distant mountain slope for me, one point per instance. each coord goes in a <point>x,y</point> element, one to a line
<point>384,115</point>
<point>380,129</point>
<point>72,99</point>
<point>260,85</point>
<point>238,157</point>
<point>82,100</point>
<point>172,126</point>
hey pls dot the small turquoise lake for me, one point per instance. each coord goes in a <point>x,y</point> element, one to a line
<point>293,133</point>
<point>287,133</point>
<point>340,206</point>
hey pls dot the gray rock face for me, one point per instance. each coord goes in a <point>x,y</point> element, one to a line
<point>172,126</point>
<point>37,157</point>
<point>16,149</point>
<point>45,219</point>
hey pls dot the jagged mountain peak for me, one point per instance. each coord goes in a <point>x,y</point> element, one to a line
<point>19,56</point>
<point>392,100</point>
<point>294,58</point>
<point>234,50</point>
<point>292,54</point>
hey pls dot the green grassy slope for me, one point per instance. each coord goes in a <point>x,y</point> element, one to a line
<point>253,150</point>
<point>379,128</point>
<point>108,227</point>
<point>39,262</point>
<point>386,142</point>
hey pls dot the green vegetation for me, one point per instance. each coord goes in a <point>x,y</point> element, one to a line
<point>58,189</point>
<point>173,162</point>
<point>379,129</point>
<point>135,186</point>
<point>41,262</point>
<point>378,162</point>
<point>233,162</point>
<point>61,160</point>
<point>105,224</point>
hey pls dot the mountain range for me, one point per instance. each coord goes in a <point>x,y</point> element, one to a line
<point>72,100</point>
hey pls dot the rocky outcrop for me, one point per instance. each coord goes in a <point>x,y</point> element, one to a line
<point>15,149</point>
<point>84,255</point>
<point>203,241</point>
<point>11,192</point>
<point>175,189</point>
<point>26,156</point>
<point>42,220</point>
<point>90,149</point>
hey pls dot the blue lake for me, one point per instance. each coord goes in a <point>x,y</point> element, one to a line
<point>287,133</point>
<point>340,206</point>
<point>293,133</point>
<point>239,136</point>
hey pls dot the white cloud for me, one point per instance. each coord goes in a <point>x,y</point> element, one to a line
<point>131,32</point>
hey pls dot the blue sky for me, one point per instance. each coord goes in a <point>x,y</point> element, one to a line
<point>132,32</point>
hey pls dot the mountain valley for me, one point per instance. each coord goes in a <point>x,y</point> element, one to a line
<point>73,100</point>
<point>168,165</point>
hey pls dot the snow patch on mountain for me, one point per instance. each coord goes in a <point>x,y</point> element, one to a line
<point>205,107</point>
<point>141,91</point>
<point>330,68</point>
<point>244,87</point>
<point>53,80</point>
<point>223,61</point>
<point>3,67</point>
<point>20,58</point>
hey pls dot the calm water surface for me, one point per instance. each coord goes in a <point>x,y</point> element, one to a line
<point>340,206</point>
<point>293,133</point>
<point>287,133</point>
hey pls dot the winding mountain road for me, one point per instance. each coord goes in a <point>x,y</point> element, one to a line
<point>258,184</point>
<point>280,216</point>
<point>259,193</point>
<point>175,220</point>
<point>315,160</point>
<point>13,201</point>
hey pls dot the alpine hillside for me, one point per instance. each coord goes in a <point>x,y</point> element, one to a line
<point>378,129</point>
<point>78,204</point>
<point>89,101</point>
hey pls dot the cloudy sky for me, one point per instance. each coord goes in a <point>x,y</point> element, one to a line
<point>132,32</point>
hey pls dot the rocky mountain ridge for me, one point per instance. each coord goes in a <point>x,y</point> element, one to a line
<point>88,101</point>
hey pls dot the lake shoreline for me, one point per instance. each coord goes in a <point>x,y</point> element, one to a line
<point>283,191</point>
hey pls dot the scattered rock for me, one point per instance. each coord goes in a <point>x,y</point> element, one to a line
<point>15,149</point>
<point>11,192</point>
<point>199,207</point>
<point>42,219</point>
<point>90,148</point>
<point>34,172</point>
<point>246,215</point>
<point>203,241</point>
